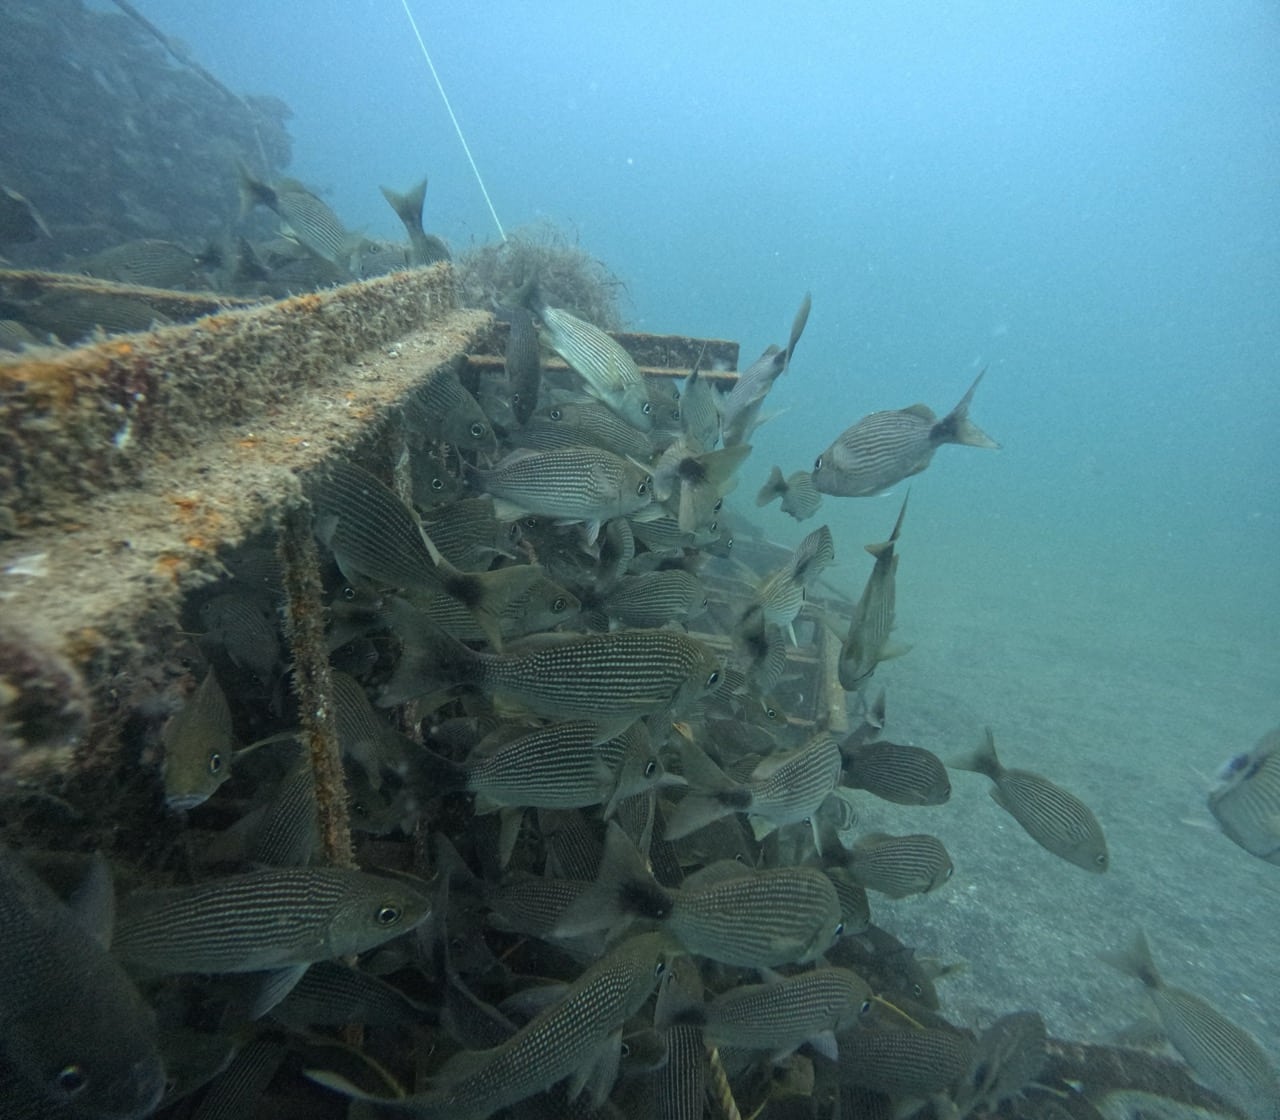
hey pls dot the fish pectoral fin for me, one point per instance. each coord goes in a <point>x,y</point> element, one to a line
<point>824,1042</point>
<point>273,988</point>
<point>508,833</point>
<point>598,1077</point>
<point>895,649</point>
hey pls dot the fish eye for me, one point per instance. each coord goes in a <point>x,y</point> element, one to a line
<point>716,508</point>
<point>556,414</point>
<point>917,990</point>
<point>437,483</point>
<point>1100,859</point>
<point>950,870</point>
<point>866,1006</point>
<point>643,488</point>
<point>559,604</point>
<point>349,593</point>
<point>477,430</point>
<point>713,678</point>
<point>715,526</point>
<point>729,543</point>
<point>706,602</point>
<point>771,713</point>
<point>215,763</point>
<point>650,769</point>
<point>659,968</point>
<point>388,915</point>
<point>646,408</point>
<point>840,929</point>
<point>72,1079</point>
<point>817,463</point>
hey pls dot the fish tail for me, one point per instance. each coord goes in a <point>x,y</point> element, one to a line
<point>1136,960</point>
<point>887,546</point>
<point>408,206</point>
<point>983,760</point>
<point>797,329</point>
<point>956,427</point>
<point>698,810</point>
<point>624,889</point>
<point>775,487</point>
<point>431,659</point>
<point>253,191</point>
<point>530,296</point>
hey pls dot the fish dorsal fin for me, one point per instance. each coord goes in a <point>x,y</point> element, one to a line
<point>921,410</point>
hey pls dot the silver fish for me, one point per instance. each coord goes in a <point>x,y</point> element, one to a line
<point>1052,817</point>
<point>649,599</point>
<point>898,866</point>
<point>694,485</point>
<point>265,920</point>
<point>1247,803</point>
<point>867,643</point>
<point>245,626</point>
<point>904,1063</point>
<point>608,370</point>
<point>726,912</point>
<point>780,1015</point>
<point>882,449</point>
<point>740,408</point>
<point>148,261</point>
<point>198,747</point>
<point>605,677</point>
<point>563,766</point>
<point>578,1037</point>
<point>681,1084</point>
<point>571,484</point>
<point>800,498</point>
<point>74,1032</point>
<point>426,249</point>
<point>575,423</point>
<point>523,361</point>
<point>700,412</point>
<point>1222,1055</point>
<point>783,789</point>
<point>307,217</point>
<point>441,408</point>
<point>903,774</point>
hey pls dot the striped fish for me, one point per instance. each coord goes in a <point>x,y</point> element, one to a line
<point>1008,1058</point>
<point>563,766</point>
<point>608,370</point>
<point>442,409</point>
<point>570,483</point>
<point>740,407</point>
<point>198,746</point>
<point>905,775</point>
<point>467,533</point>
<point>1222,1055</point>
<point>800,498</point>
<point>882,449</point>
<point>783,789</point>
<point>577,1038</point>
<point>523,360</point>
<point>265,920</point>
<point>898,866</point>
<point>651,599</point>
<point>700,412</point>
<point>309,219</point>
<point>76,1038</point>
<point>1247,803</point>
<point>149,262</point>
<point>425,248</point>
<point>867,643</point>
<point>904,1063</point>
<point>605,677</point>
<point>587,422</point>
<point>331,994</point>
<point>855,908</point>
<point>780,1015</point>
<point>781,596</point>
<point>1052,817</point>
<point>680,1086</point>
<point>726,912</point>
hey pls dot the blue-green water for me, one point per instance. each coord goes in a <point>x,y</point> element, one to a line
<point>1084,198</point>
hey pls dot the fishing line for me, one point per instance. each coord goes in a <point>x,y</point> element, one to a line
<point>456,126</point>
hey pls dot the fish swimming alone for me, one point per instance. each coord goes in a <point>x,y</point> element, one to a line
<point>1052,817</point>
<point>1247,803</point>
<point>882,449</point>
